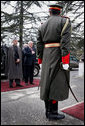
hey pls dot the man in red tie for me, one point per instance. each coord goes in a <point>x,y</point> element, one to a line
<point>29,59</point>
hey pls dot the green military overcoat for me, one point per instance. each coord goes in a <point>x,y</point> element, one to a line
<point>53,83</point>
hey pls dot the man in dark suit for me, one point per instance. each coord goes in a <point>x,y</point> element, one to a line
<point>29,54</point>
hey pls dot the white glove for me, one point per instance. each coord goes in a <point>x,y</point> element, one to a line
<point>65,66</point>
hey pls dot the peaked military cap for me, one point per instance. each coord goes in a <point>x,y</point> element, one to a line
<point>55,6</point>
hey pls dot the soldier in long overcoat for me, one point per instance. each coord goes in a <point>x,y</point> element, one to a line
<point>53,49</point>
<point>14,64</point>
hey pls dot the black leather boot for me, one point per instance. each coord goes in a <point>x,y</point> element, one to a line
<point>52,111</point>
<point>47,107</point>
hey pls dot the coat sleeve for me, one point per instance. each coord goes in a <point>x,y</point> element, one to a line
<point>40,45</point>
<point>27,52</point>
<point>8,60</point>
<point>65,40</point>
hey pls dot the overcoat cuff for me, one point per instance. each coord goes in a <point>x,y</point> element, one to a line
<point>66,59</point>
<point>39,61</point>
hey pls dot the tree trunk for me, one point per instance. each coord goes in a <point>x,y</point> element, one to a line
<point>21,25</point>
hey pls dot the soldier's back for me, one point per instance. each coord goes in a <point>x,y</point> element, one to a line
<point>51,29</point>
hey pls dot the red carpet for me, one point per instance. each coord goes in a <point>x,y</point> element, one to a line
<point>76,111</point>
<point>5,85</point>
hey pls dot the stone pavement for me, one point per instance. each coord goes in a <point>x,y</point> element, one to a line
<point>24,107</point>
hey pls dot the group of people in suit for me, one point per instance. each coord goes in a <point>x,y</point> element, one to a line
<point>21,63</point>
